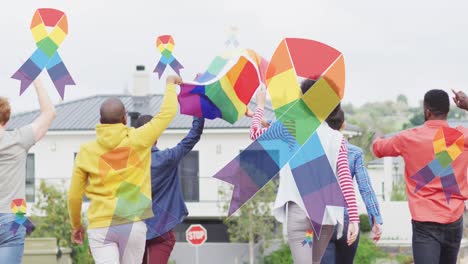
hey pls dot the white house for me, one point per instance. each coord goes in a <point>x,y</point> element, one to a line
<point>51,159</point>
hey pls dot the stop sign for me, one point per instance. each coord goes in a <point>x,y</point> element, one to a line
<point>196,235</point>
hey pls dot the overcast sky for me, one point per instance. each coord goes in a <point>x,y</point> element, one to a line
<point>390,47</point>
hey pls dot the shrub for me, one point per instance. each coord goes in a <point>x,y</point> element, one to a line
<point>367,251</point>
<point>52,201</point>
<point>280,256</point>
<point>365,224</point>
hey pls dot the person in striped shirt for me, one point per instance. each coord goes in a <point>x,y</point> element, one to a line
<point>289,206</point>
<point>338,251</point>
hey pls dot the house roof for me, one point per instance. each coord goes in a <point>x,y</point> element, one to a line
<point>84,113</point>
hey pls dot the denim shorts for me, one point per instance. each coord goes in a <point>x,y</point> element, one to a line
<point>7,237</point>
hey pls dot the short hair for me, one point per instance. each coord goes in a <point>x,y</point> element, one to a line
<point>5,110</point>
<point>336,118</point>
<point>306,85</point>
<point>437,101</point>
<point>142,120</point>
<point>112,111</point>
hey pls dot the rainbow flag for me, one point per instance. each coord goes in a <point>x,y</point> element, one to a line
<point>224,90</point>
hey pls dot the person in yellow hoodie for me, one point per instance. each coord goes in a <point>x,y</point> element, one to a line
<point>113,171</point>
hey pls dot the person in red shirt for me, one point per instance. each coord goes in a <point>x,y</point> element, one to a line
<point>436,161</point>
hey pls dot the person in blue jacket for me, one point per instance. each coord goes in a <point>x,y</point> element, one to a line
<point>168,203</point>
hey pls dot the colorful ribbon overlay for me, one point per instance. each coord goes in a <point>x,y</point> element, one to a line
<point>300,116</point>
<point>448,146</point>
<point>46,55</point>
<point>220,94</point>
<point>18,207</point>
<point>132,204</point>
<point>165,45</point>
<point>309,238</point>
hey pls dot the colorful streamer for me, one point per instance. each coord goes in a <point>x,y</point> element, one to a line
<point>448,146</point>
<point>46,55</point>
<point>299,115</point>
<point>18,207</point>
<point>309,238</point>
<point>165,45</point>
<point>220,94</point>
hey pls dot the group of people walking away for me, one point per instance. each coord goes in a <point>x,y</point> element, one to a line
<point>136,201</point>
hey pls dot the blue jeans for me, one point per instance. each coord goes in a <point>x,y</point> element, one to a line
<point>338,251</point>
<point>11,245</point>
<point>435,243</point>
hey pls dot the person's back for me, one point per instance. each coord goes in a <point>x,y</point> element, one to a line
<point>14,147</point>
<point>436,162</point>
<point>429,202</point>
<point>290,205</point>
<point>168,202</point>
<point>114,172</point>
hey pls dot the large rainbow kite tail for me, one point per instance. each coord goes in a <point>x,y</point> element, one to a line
<point>46,55</point>
<point>448,146</point>
<point>263,159</point>
<point>225,89</point>
<point>165,45</point>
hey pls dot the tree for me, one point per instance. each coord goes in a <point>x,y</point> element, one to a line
<point>253,222</point>
<point>52,220</point>
<point>402,99</point>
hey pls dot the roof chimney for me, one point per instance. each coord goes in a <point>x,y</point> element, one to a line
<point>140,81</point>
<point>141,100</point>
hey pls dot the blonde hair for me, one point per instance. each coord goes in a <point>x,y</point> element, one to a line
<point>5,110</point>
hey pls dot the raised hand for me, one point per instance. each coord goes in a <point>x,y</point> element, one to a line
<point>460,99</point>
<point>173,79</point>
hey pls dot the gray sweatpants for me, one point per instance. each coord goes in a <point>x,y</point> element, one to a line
<point>298,224</point>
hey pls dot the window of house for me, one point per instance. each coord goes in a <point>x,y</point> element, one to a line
<point>189,177</point>
<point>30,178</point>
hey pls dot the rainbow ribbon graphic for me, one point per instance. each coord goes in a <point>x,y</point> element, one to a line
<point>448,146</point>
<point>308,239</point>
<point>299,120</point>
<point>18,207</point>
<point>46,55</point>
<point>165,45</point>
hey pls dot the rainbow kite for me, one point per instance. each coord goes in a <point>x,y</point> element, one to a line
<point>18,207</point>
<point>220,94</point>
<point>448,146</point>
<point>299,116</point>
<point>46,55</point>
<point>165,45</point>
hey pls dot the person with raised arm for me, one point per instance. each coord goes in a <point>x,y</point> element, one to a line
<point>14,147</point>
<point>113,171</point>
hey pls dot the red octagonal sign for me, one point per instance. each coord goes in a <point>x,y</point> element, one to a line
<point>196,235</point>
